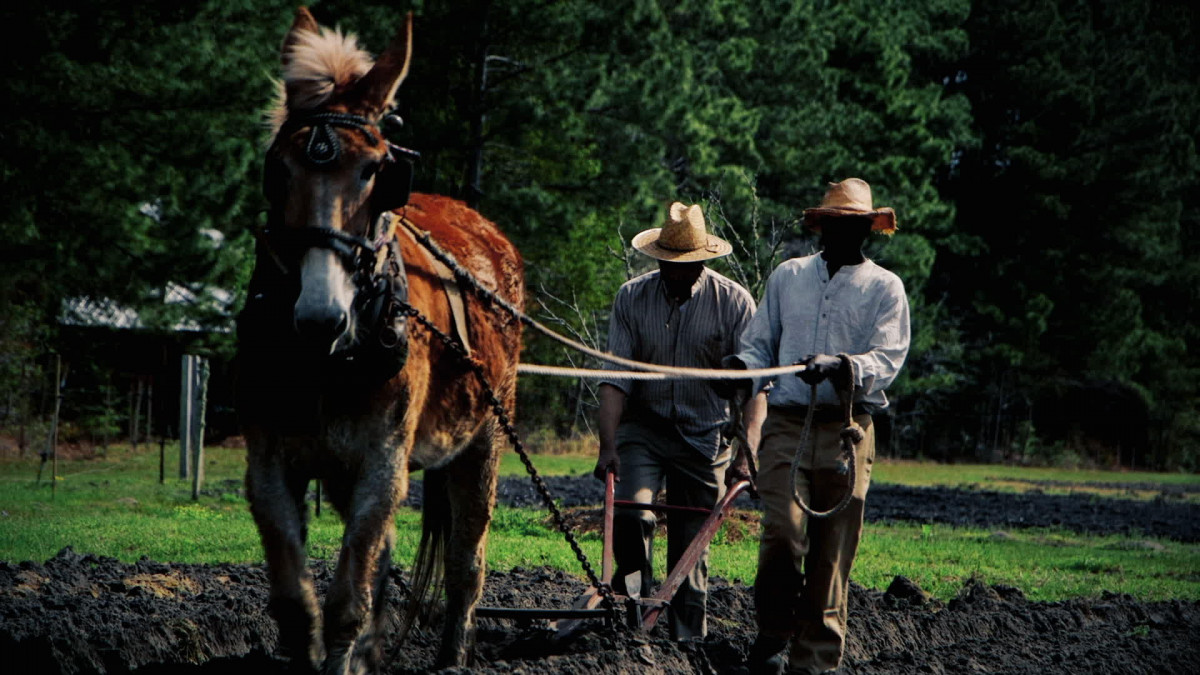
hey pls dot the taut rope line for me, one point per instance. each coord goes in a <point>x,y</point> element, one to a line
<point>671,374</point>
<point>644,369</point>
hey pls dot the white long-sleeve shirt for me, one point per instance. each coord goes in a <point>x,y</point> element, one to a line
<point>862,311</point>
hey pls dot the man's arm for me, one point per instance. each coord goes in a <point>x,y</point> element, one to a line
<point>758,345</point>
<point>612,404</point>
<point>749,432</point>
<point>754,413</point>
<point>875,369</point>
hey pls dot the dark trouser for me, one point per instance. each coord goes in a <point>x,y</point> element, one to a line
<point>650,456</point>
<point>803,582</point>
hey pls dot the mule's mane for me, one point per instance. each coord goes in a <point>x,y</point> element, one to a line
<point>319,65</point>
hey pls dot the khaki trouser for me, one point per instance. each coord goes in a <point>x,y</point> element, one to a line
<point>803,582</point>
<point>650,456</point>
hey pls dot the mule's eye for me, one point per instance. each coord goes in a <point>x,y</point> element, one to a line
<point>368,171</point>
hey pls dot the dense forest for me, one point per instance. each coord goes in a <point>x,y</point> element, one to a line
<point>1041,156</point>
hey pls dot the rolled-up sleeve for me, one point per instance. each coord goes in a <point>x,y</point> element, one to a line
<point>620,338</point>
<point>887,346</point>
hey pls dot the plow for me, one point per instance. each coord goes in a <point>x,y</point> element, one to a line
<point>600,602</point>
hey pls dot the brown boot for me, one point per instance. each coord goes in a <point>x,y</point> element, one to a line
<point>768,656</point>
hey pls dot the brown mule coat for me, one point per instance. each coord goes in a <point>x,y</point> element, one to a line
<point>362,439</point>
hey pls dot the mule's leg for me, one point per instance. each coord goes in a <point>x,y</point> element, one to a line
<point>276,496</point>
<point>471,487</point>
<point>371,644</point>
<point>367,500</point>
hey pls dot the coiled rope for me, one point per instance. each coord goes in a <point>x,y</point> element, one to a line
<point>851,435</point>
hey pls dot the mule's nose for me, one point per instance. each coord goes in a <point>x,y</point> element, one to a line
<point>321,329</point>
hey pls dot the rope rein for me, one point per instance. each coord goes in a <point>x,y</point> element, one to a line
<point>643,371</point>
<point>851,435</point>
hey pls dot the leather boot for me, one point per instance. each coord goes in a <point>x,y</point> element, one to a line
<point>768,656</point>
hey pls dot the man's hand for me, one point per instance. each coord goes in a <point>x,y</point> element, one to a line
<point>820,368</point>
<point>739,469</point>
<point>609,459</point>
<point>608,418</point>
<point>733,390</point>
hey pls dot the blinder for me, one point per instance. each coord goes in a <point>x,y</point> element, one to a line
<point>393,180</point>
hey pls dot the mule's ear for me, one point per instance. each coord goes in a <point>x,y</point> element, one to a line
<point>376,89</point>
<point>303,23</point>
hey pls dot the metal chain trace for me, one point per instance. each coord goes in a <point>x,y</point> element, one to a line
<point>502,417</point>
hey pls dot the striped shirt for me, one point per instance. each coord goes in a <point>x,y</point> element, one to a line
<point>648,325</point>
<point>862,312</point>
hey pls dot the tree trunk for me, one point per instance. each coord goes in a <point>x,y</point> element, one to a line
<point>473,188</point>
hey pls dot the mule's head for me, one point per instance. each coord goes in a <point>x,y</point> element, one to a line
<point>327,169</point>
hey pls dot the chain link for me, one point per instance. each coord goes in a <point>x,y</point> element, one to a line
<point>604,589</point>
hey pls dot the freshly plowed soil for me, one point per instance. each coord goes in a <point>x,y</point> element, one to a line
<point>84,614</point>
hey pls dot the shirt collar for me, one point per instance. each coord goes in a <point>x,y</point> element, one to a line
<point>823,268</point>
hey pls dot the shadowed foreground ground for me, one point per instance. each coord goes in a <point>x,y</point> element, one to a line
<point>84,614</point>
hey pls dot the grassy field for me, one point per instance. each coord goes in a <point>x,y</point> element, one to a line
<point>114,505</point>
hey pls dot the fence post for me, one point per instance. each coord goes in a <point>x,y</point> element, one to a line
<point>185,413</point>
<point>54,425</point>
<point>201,404</point>
<point>149,409</point>
<point>135,416</point>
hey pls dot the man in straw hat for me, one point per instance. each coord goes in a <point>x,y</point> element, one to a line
<point>651,432</point>
<point>847,319</point>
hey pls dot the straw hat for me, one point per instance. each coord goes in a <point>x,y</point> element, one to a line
<point>683,238</point>
<point>851,197</point>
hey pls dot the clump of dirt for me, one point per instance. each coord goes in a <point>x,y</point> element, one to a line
<point>88,614</point>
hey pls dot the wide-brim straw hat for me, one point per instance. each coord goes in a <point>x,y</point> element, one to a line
<point>851,197</point>
<point>683,238</point>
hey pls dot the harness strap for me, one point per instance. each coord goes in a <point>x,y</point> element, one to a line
<point>454,295</point>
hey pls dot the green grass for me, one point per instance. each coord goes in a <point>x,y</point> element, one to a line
<point>114,506</point>
<point>548,465</point>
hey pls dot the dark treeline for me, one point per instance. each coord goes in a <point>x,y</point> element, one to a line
<point>1041,155</point>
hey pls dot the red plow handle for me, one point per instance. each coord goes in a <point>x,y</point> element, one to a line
<point>692,555</point>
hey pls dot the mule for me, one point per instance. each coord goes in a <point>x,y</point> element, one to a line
<point>337,383</point>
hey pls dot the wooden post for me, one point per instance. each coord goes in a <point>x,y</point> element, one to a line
<point>198,408</point>
<point>185,413</point>
<point>135,418</point>
<point>149,408</point>
<point>25,411</point>
<point>108,411</point>
<point>54,425</point>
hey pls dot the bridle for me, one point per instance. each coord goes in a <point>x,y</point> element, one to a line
<point>393,179</point>
<point>373,262</point>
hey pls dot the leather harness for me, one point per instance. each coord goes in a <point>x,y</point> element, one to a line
<point>374,263</point>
